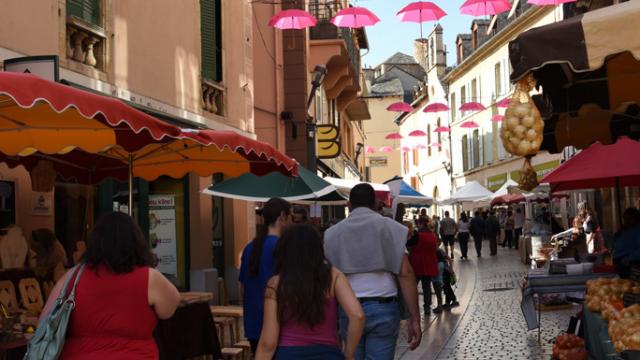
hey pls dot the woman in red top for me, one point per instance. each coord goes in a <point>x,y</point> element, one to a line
<point>119,297</point>
<point>424,261</point>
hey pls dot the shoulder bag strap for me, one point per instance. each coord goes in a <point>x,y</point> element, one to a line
<point>72,296</point>
<point>63,293</point>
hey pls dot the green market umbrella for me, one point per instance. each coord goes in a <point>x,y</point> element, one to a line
<point>305,188</point>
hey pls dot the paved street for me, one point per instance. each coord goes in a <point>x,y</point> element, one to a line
<point>489,323</point>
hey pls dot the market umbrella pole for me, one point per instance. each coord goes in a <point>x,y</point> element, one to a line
<point>618,203</point>
<point>130,207</point>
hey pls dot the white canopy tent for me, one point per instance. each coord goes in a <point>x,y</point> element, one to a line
<point>470,192</point>
<point>503,190</point>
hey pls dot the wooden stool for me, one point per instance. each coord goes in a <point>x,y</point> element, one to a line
<point>232,353</point>
<point>223,323</point>
<point>246,346</point>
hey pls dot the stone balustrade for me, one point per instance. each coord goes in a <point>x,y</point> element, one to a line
<point>212,97</point>
<point>85,43</point>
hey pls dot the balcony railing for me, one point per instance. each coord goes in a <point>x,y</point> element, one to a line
<point>85,43</point>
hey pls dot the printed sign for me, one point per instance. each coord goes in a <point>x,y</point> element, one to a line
<point>41,204</point>
<point>162,232</point>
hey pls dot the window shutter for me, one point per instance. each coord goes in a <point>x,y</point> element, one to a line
<point>210,40</point>
<point>87,10</point>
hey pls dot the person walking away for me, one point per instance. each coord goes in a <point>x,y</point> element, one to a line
<point>448,229</point>
<point>450,300</point>
<point>476,228</point>
<point>301,302</point>
<point>424,261</point>
<point>508,229</point>
<point>492,230</point>
<point>119,295</point>
<point>370,250</point>
<point>257,266</point>
<point>435,227</point>
<point>518,224</point>
<point>463,234</point>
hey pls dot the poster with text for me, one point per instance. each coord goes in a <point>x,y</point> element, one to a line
<point>162,232</point>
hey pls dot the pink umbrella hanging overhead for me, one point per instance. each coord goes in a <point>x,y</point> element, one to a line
<point>484,7</point>
<point>504,103</point>
<point>405,149</point>
<point>370,150</point>
<point>417,133</point>
<point>393,136</point>
<point>549,2</point>
<point>472,106</point>
<point>400,106</point>
<point>386,149</point>
<point>435,144</point>
<point>420,147</point>
<point>354,17</point>
<point>292,19</point>
<point>436,107</point>
<point>442,129</point>
<point>469,125</point>
<point>419,12</point>
<point>497,118</point>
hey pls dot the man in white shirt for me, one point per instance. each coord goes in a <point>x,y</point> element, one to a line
<point>370,250</point>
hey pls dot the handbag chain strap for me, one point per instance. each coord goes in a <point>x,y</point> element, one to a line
<point>75,275</point>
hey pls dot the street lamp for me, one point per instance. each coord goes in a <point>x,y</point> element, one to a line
<point>319,73</point>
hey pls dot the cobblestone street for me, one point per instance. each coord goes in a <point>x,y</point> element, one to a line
<point>489,323</point>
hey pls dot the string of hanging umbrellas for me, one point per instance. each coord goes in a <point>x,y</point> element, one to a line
<point>416,12</point>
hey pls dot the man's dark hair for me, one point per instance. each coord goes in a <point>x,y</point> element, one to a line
<point>476,214</point>
<point>362,195</point>
<point>117,243</point>
<point>446,213</point>
<point>518,210</point>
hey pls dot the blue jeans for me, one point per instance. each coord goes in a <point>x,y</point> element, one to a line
<point>381,327</point>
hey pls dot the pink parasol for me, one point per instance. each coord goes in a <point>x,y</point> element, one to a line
<point>292,19</point>
<point>370,150</point>
<point>484,7</point>
<point>469,125</point>
<point>386,149</point>
<point>497,118</point>
<point>393,136</point>
<point>400,107</point>
<point>417,133</point>
<point>405,148</point>
<point>435,107</point>
<point>354,17</point>
<point>420,147</point>
<point>435,144</point>
<point>419,12</point>
<point>504,103</point>
<point>442,129</point>
<point>472,106</point>
<point>549,2</point>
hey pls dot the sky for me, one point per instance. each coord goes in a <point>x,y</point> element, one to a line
<point>390,35</point>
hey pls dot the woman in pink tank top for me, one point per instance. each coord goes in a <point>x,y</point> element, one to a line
<point>119,297</point>
<point>301,303</point>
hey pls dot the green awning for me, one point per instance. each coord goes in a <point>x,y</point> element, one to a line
<point>307,188</point>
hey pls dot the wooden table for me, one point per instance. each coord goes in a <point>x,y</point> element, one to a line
<point>14,349</point>
<point>234,312</point>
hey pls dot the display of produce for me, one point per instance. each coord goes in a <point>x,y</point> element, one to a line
<point>569,347</point>
<point>605,296</point>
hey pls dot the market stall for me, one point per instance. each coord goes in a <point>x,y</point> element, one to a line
<point>59,132</point>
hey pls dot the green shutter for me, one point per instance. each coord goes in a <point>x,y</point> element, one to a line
<point>210,39</point>
<point>87,10</point>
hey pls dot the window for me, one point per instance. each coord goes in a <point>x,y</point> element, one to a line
<point>454,113</point>
<point>475,37</point>
<point>86,10</point>
<point>474,90</point>
<point>463,98</point>
<point>476,148</point>
<point>414,183</point>
<point>488,147</point>
<point>498,79</point>
<point>460,52</point>
<point>416,156</point>
<point>334,114</point>
<point>428,139</point>
<point>465,153</point>
<point>405,161</point>
<point>439,137</point>
<point>211,39</point>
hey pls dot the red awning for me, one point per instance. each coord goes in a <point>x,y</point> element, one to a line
<point>599,166</point>
<point>89,137</point>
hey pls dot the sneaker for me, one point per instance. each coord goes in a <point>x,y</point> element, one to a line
<point>437,310</point>
<point>446,306</point>
<point>454,304</point>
